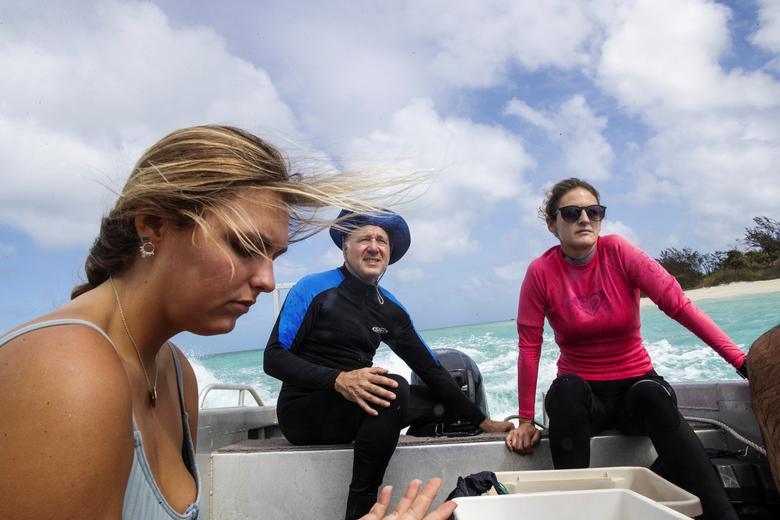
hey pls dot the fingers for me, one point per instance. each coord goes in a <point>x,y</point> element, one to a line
<point>377,375</point>
<point>368,396</point>
<point>378,379</point>
<point>362,387</point>
<point>509,441</point>
<point>414,505</point>
<point>365,406</point>
<point>512,440</point>
<point>422,502</point>
<point>378,391</point>
<point>443,512</point>
<point>521,441</point>
<point>378,510</point>
<point>408,498</point>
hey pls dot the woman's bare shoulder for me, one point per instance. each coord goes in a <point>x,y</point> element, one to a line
<point>73,361</point>
<point>67,426</point>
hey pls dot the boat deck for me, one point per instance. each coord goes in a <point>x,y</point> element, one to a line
<point>250,470</point>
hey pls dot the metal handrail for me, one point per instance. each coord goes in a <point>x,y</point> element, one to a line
<point>277,296</point>
<point>242,390</point>
<point>538,424</point>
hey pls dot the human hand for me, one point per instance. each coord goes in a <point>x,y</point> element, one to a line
<point>362,386</point>
<point>491,426</point>
<point>522,439</point>
<point>413,505</point>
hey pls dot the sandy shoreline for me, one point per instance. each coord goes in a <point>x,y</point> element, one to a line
<point>731,290</point>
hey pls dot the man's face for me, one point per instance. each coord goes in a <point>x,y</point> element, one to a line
<point>367,252</point>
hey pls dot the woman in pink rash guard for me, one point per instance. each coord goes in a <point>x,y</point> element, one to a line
<point>588,289</point>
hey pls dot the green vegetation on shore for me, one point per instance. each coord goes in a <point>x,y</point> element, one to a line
<point>759,260</point>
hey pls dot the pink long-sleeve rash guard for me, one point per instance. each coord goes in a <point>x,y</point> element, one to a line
<point>594,312</point>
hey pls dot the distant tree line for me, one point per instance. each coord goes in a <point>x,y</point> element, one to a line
<point>759,261</point>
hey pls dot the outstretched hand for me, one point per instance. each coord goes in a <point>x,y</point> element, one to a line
<point>523,439</point>
<point>364,386</point>
<point>413,505</point>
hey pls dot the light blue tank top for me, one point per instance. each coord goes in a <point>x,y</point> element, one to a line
<point>143,499</point>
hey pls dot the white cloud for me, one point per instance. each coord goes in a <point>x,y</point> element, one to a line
<point>511,272</point>
<point>616,227</point>
<point>579,133</point>
<point>333,257</point>
<point>716,132</point>
<point>474,285</point>
<point>648,187</point>
<point>521,109</point>
<point>476,41</point>
<point>661,59</point>
<point>86,88</point>
<point>768,33</point>
<point>344,58</point>
<point>476,166</point>
<point>588,154</point>
<point>724,175</point>
<point>409,274</point>
<point>441,232</point>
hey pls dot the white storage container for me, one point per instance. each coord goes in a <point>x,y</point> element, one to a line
<point>600,504</point>
<point>640,480</point>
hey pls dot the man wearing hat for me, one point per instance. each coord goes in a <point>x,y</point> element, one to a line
<point>322,348</point>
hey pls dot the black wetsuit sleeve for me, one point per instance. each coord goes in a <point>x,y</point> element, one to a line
<point>410,347</point>
<point>280,359</point>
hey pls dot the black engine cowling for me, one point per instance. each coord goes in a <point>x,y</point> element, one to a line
<point>466,374</point>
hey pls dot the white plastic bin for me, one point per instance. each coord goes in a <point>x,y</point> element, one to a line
<point>640,480</point>
<point>600,504</point>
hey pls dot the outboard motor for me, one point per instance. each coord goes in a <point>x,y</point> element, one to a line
<point>468,377</point>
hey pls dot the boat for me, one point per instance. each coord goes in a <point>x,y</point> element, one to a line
<point>249,470</point>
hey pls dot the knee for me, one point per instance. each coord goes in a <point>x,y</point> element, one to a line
<point>654,403</point>
<point>568,394</point>
<point>401,401</point>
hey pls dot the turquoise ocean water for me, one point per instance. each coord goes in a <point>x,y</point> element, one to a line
<point>676,353</point>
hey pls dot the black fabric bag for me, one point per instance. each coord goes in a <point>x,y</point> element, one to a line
<point>475,484</point>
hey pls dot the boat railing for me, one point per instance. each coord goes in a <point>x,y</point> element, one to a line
<point>277,296</point>
<point>242,391</point>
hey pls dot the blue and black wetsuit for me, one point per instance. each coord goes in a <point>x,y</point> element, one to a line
<point>333,322</point>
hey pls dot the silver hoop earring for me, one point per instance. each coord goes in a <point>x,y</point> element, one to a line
<point>146,248</point>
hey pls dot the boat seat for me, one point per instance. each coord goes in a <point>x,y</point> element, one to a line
<point>282,444</point>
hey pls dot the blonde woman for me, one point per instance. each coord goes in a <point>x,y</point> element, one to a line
<point>98,410</point>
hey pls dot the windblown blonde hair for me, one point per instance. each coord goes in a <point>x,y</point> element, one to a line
<point>200,171</point>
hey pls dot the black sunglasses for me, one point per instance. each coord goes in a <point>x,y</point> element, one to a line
<point>572,214</point>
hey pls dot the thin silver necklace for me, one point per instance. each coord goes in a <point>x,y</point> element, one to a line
<point>152,388</point>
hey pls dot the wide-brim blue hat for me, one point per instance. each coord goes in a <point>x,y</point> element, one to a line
<point>394,225</point>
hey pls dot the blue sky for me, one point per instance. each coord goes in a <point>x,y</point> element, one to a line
<point>671,107</point>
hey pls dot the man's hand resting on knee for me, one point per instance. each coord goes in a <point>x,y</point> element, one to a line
<point>365,386</point>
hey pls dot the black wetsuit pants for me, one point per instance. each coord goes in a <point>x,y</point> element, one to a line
<point>325,417</point>
<point>645,405</point>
